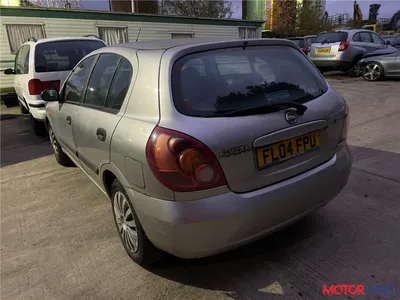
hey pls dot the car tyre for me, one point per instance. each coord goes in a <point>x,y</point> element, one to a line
<point>133,238</point>
<point>352,72</point>
<point>60,156</point>
<point>22,108</point>
<point>373,71</point>
<point>38,127</point>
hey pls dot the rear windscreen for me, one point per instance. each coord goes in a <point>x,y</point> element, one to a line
<point>212,82</point>
<point>331,37</point>
<point>63,55</point>
<point>299,43</point>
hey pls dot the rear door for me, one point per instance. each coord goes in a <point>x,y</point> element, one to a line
<point>257,148</point>
<point>326,45</point>
<point>95,120</point>
<point>21,67</point>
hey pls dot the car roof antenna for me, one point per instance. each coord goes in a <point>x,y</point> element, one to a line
<point>137,38</point>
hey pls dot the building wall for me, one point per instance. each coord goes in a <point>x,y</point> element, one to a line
<point>64,27</point>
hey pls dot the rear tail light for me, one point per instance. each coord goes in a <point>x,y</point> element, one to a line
<point>303,49</point>
<point>182,163</point>
<point>345,126</point>
<point>36,86</point>
<point>309,49</point>
<point>343,46</point>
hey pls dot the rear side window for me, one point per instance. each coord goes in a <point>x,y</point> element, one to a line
<point>239,78</point>
<point>62,55</point>
<point>22,60</point>
<point>365,37</point>
<point>100,80</point>
<point>331,37</point>
<point>120,85</point>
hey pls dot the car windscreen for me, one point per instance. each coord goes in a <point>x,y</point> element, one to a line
<point>210,83</point>
<point>62,55</point>
<point>391,39</point>
<point>331,37</point>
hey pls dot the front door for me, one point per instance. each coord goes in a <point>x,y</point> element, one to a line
<point>71,98</point>
<point>99,114</point>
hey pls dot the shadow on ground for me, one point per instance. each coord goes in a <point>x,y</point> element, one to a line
<point>18,141</point>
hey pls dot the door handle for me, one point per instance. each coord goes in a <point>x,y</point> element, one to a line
<point>69,120</point>
<point>101,134</point>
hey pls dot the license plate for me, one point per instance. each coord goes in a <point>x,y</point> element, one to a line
<point>284,150</point>
<point>323,50</point>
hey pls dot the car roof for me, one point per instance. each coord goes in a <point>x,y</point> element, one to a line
<point>47,40</point>
<point>177,45</point>
<point>166,44</point>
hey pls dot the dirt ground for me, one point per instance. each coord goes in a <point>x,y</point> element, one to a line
<point>58,239</point>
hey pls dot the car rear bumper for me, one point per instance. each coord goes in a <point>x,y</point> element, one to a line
<point>199,228</point>
<point>332,64</point>
<point>37,108</point>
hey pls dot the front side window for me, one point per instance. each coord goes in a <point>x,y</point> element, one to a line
<point>100,80</point>
<point>77,80</point>
<point>113,35</point>
<point>20,33</point>
<point>247,33</point>
<point>62,55</point>
<point>377,39</point>
<point>238,78</point>
<point>22,60</point>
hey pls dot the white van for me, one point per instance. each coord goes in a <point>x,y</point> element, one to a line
<point>44,64</point>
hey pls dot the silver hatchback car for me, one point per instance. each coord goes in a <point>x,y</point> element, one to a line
<point>202,146</point>
<point>342,49</point>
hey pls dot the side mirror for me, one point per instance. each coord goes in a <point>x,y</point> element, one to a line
<point>9,71</point>
<point>387,42</point>
<point>50,95</point>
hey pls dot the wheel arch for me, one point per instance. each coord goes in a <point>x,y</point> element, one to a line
<point>109,172</point>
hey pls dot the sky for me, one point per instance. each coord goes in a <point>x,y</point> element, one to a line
<point>388,7</point>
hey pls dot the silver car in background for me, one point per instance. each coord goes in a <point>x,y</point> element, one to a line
<point>202,146</point>
<point>342,49</point>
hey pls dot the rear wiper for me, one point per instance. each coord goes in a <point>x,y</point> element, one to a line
<point>262,109</point>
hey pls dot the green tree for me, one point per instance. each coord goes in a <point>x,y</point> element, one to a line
<point>197,8</point>
<point>310,19</point>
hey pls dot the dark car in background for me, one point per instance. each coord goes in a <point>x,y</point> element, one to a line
<point>304,42</point>
<point>392,40</point>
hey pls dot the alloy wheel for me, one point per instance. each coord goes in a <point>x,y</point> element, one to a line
<point>372,71</point>
<point>53,142</point>
<point>125,222</point>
